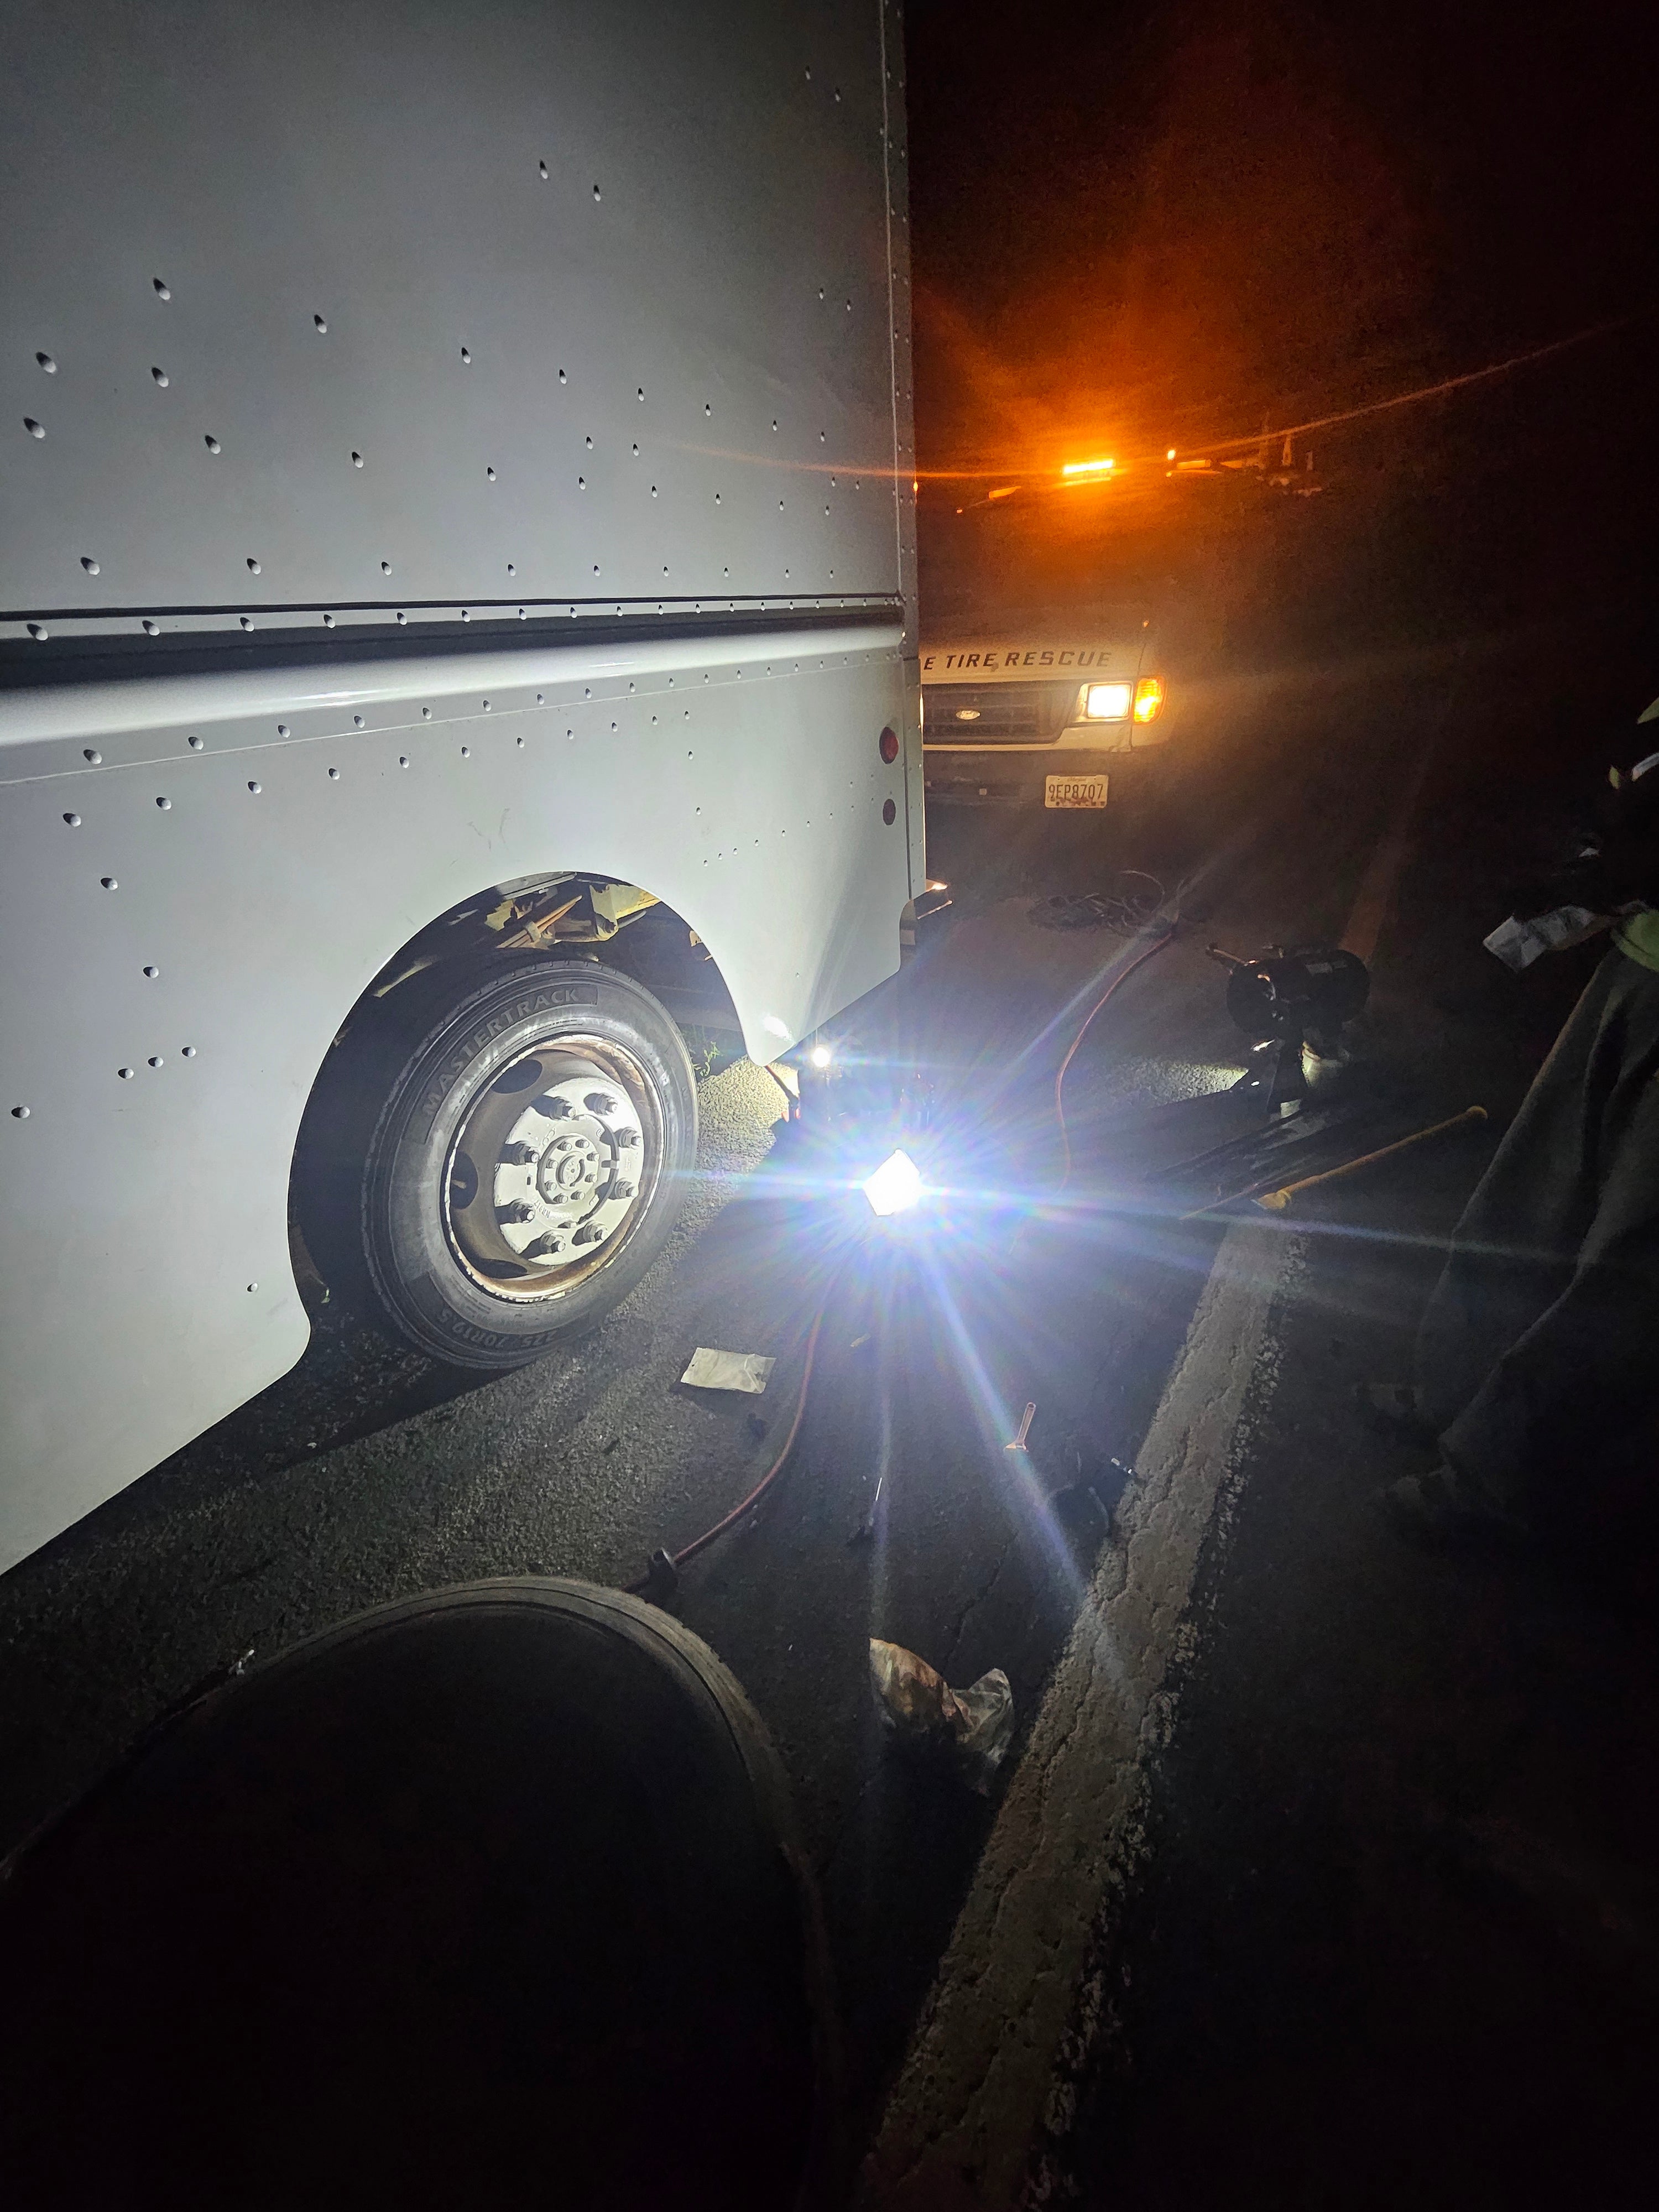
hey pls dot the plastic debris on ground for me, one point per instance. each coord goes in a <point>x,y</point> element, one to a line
<point>972,1728</point>
<point>1519,941</point>
<point>729,1371</point>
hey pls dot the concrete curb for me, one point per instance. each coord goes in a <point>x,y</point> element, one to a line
<point>976,2081</point>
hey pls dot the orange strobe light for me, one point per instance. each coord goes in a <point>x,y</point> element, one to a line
<point>1148,698</point>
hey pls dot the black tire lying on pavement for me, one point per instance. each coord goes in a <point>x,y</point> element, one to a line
<point>487,1898</point>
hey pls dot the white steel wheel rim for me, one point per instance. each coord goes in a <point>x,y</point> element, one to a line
<point>552,1167</point>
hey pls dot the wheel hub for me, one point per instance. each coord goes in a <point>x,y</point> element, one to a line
<point>570,1167</point>
<point>547,1173</point>
<point>559,1183</point>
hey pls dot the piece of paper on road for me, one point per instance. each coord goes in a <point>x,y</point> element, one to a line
<point>729,1371</point>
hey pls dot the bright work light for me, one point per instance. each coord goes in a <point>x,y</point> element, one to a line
<point>820,1055</point>
<point>1106,703</point>
<point>896,1185</point>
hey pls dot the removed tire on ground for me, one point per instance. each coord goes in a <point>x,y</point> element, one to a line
<point>486,1898</point>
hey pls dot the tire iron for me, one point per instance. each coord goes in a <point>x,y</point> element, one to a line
<point>1276,1201</point>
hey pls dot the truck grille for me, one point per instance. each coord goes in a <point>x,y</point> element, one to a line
<point>1001,714</point>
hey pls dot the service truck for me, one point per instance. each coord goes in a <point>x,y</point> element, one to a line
<point>459,635</point>
<point>1071,627</point>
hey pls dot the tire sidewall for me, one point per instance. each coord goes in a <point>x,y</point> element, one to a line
<point>413,1268</point>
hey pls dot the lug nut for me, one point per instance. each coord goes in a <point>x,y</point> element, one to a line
<point>587,1234</point>
<point>625,1137</point>
<point>599,1101</point>
<point>517,1211</point>
<point>622,1190</point>
<point>519,1156</point>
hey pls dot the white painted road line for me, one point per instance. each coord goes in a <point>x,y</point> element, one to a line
<point>977,2082</point>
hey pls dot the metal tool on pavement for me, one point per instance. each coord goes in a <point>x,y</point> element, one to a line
<point>866,1531</point>
<point>1276,1201</point>
<point>1254,1147</point>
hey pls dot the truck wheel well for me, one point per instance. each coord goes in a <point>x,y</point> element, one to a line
<point>585,916</point>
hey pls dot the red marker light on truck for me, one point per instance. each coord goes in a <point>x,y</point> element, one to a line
<point>889,746</point>
<point>1148,698</point>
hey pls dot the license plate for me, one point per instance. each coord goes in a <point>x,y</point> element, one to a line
<point>1074,791</point>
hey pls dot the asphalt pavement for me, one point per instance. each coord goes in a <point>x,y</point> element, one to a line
<point>367,1474</point>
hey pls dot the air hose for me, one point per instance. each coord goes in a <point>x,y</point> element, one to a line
<point>661,1577</point>
<point>1121,977</point>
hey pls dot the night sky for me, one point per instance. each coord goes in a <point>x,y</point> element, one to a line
<point>1135,228</point>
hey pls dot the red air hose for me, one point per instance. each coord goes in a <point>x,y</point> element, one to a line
<point>688,1551</point>
<point>1121,976</point>
<point>701,1543</point>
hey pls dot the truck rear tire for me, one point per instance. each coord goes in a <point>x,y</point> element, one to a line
<point>496,1154</point>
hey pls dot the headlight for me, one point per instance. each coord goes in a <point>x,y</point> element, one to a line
<point>1148,698</point>
<point>1106,703</point>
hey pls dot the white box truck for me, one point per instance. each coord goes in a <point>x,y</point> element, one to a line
<point>458,576</point>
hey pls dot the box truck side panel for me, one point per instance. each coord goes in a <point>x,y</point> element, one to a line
<point>445,449</point>
<point>403,308</point>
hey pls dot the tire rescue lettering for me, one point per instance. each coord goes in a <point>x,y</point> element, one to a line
<point>994,660</point>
